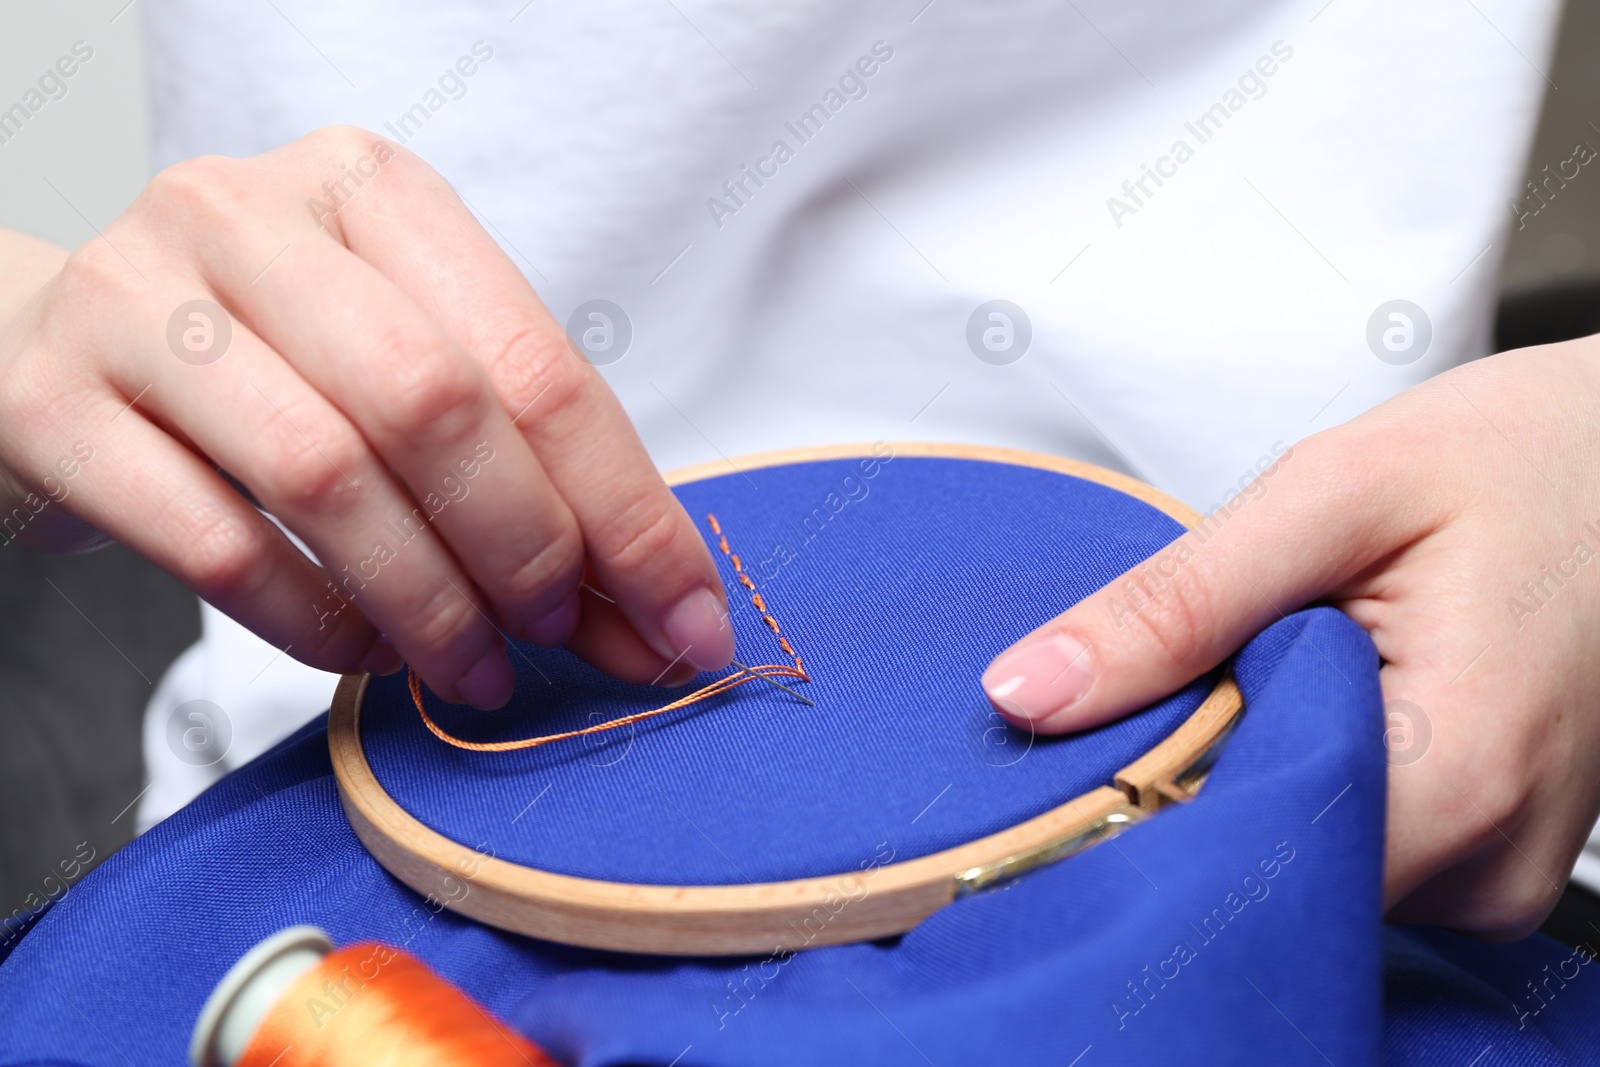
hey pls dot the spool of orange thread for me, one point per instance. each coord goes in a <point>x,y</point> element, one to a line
<point>295,1001</point>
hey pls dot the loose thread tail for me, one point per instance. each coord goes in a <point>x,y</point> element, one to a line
<point>721,685</point>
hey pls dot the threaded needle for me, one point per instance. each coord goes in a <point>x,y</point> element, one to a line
<point>773,682</point>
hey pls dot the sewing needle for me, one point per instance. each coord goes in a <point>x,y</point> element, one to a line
<point>774,682</point>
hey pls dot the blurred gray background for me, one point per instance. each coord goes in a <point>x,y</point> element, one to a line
<point>92,144</point>
<point>83,639</point>
<point>1561,244</point>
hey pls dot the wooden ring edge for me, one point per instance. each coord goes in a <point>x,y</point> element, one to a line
<point>783,916</point>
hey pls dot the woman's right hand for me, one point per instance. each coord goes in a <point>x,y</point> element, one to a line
<point>384,382</point>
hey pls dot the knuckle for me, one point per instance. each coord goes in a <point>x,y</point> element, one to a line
<point>340,640</point>
<point>315,469</point>
<point>207,187</point>
<point>430,395</point>
<point>1178,616</point>
<point>336,152</point>
<point>444,620</point>
<point>645,534</point>
<point>565,383</point>
<point>91,274</point>
<point>222,555</point>
<point>556,563</point>
<point>341,138</point>
<point>534,364</point>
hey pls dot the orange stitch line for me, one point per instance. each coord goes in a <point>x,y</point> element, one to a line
<point>755,596</point>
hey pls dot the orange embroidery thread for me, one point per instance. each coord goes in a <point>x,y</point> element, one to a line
<point>721,685</point>
<point>757,600</point>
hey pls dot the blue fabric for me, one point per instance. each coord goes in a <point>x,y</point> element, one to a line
<point>1530,1004</point>
<point>896,602</point>
<point>1241,928</point>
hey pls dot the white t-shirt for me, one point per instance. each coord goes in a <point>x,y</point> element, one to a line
<point>1199,216</point>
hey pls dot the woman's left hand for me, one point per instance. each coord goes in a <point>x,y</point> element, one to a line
<point>1459,524</point>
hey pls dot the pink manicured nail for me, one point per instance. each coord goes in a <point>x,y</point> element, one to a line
<point>698,627</point>
<point>1040,677</point>
<point>488,684</point>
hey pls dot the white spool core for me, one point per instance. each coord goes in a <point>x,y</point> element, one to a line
<point>249,990</point>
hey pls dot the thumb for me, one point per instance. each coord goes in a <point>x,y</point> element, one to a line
<point>1290,536</point>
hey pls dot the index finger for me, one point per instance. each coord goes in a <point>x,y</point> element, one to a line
<point>639,543</point>
<point>1191,605</point>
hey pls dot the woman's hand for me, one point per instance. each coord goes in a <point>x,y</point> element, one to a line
<point>1459,524</point>
<point>385,383</point>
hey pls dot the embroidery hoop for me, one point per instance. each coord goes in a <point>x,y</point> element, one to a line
<point>778,916</point>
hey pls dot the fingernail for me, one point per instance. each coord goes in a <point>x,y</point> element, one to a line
<point>489,683</point>
<point>382,658</point>
<point>1041,677</point>
<point>697,626</point>
<point>555,628</point>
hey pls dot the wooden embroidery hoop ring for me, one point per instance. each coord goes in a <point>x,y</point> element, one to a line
<point>777,916</point>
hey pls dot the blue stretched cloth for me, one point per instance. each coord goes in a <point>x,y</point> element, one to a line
<point>1243,927</point>
<point>895,600</point>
